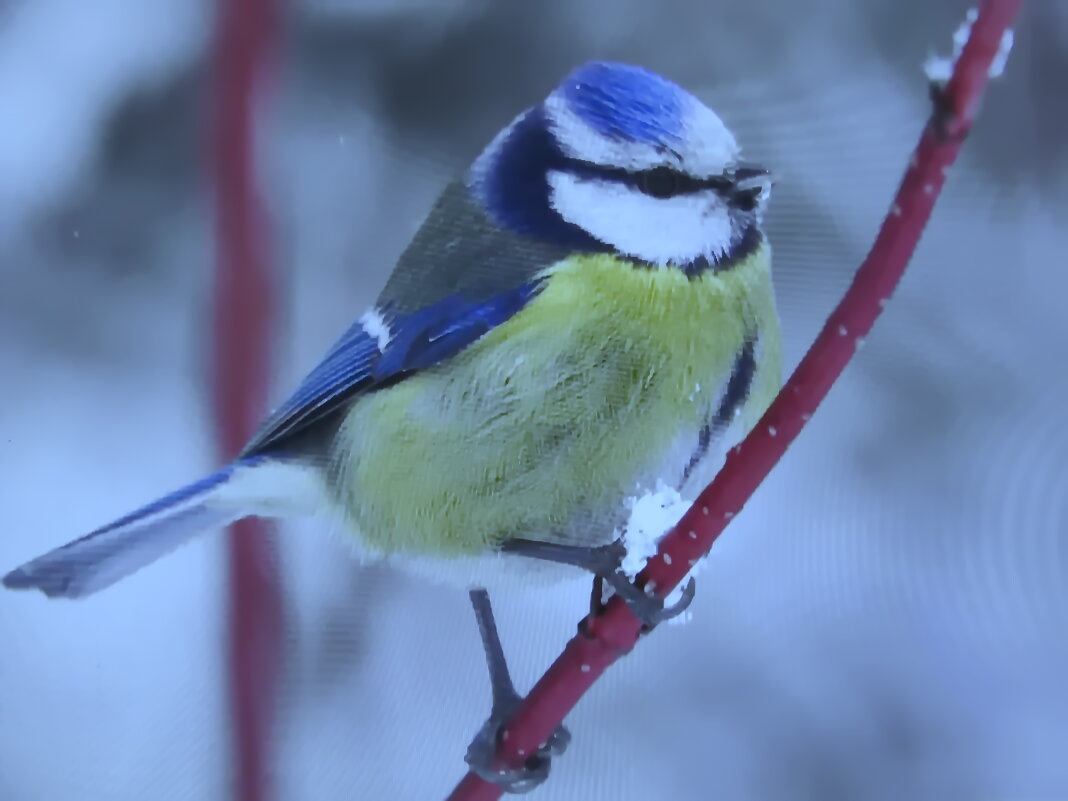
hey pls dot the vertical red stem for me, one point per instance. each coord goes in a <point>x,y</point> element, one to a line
<point>241,372</point>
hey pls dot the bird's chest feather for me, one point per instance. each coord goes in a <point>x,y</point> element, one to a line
<point>542,427</point>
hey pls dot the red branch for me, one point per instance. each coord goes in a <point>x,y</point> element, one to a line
<point>605,638</point>
<point>242,372</point>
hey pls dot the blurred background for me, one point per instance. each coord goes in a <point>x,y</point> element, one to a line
<point>886,620</point>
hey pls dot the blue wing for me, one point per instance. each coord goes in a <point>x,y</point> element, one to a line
<point>356,364</point>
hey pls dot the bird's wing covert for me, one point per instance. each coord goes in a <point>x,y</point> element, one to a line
<point>460,277</point>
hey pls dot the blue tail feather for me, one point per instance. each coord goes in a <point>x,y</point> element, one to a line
<point>103,556</point>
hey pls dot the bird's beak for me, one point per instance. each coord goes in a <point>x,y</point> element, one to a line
<point>747,175</point>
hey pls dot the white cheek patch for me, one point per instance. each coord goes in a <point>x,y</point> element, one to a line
<point>376,327</point>
<point>660,231</point>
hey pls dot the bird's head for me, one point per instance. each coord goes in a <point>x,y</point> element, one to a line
<point>618,159</point>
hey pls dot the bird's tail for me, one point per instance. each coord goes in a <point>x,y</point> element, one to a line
<point>102,557</point>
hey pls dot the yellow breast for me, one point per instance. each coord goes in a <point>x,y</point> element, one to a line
<point>543,426</point>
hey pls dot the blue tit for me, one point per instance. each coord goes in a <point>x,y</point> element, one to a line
<point>588,312</point>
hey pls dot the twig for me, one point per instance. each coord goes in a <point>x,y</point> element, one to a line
<point>605,638</point>
<point>243,301</point>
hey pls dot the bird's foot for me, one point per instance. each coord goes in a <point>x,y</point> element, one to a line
<point>605,562</point>
<point>481,754</point>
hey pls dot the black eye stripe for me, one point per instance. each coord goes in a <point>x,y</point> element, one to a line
<point>660,182</point>
<point>688,184</point>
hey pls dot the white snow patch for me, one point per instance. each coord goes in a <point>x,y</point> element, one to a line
<point>653,514</point>
<point>939,68</point>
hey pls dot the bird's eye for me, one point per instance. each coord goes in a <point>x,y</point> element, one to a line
<point>747,199</point>
<point>661,182</point>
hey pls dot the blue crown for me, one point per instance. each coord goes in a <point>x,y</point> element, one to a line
<point>625,103</point>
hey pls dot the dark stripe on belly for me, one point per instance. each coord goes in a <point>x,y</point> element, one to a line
<point>735,394</point>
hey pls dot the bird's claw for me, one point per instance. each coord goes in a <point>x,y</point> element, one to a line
<point>481,757</point>
<point>650,609</point>
<point>606,562</point>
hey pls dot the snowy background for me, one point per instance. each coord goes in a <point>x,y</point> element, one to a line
<point>887,618</point>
